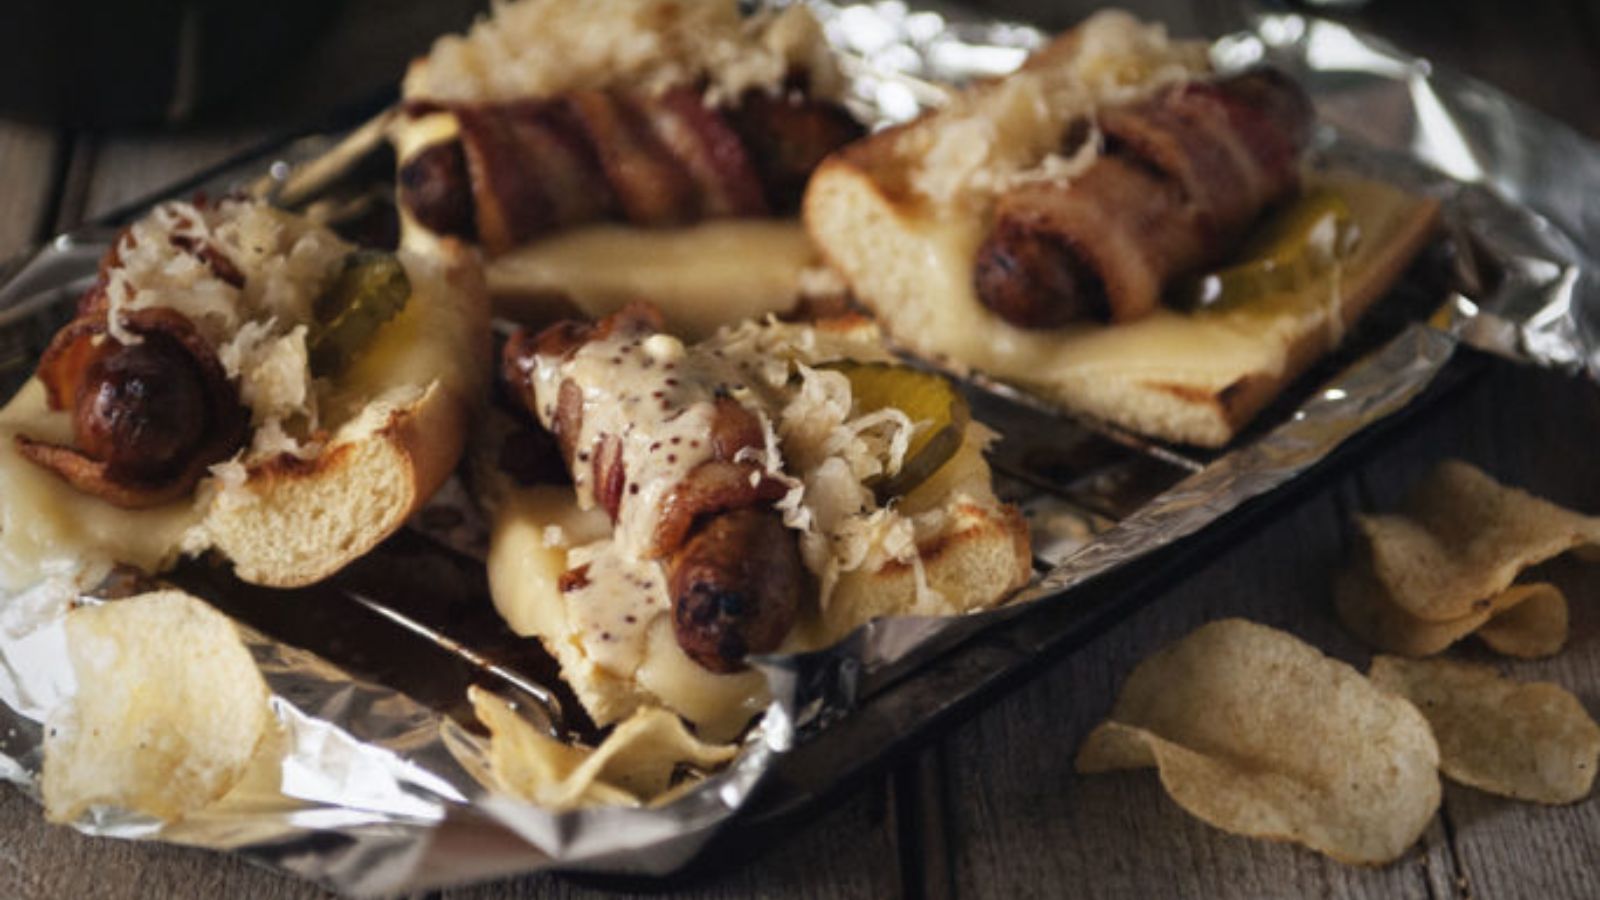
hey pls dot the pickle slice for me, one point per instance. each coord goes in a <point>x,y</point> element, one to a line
<point>1295,246</point>
<point>371,289</point>
<point>923,397</point>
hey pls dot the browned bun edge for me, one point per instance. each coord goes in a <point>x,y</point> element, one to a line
<point>1235,405</point>
<point>294,521</point>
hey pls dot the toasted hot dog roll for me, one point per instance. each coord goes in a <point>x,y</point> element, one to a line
<point>723,505</point>
<point>991,235</point>
<point>240,379</point>
<point>1183,175</point>
<point>604,152</point>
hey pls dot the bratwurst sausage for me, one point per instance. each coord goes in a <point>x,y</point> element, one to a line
<point>735,587</point>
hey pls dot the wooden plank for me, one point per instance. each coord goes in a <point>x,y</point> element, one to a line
<point>28,159</point>
<point>39,861</point>
<point>848,852</point>
<point>130,168</point>
<point>921,811</point>
<point>363,50</point>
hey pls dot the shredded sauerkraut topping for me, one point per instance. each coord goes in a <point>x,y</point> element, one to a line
<point>828,449</point>
<point>995,135</point>
<point>246,275</point>
<point>537,48</point>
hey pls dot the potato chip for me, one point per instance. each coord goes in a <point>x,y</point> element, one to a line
<point>168,710</point>
<point>1532,624</point>
<point>633,765</point>
<point>1260,734</point>
<point>1530,741</point>
<point>1462,538</point>
<point>1364,607</point>
<point>1524,620</point>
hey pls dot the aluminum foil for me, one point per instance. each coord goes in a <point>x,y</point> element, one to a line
<point>367,791</point>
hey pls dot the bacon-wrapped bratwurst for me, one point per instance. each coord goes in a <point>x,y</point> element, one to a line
<point>525,169</point>
<point>241,379</point>
<point>605,151</point>
<point>660,442</point>
<point>1184,173</point>
<point>149,416</point>
<point>1118,229</point>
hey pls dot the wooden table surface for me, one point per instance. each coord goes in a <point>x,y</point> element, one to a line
<point>994,809</point>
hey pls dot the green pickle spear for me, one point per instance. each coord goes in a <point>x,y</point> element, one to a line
<point>1292,248</point>
<point>923,397</point>
<point>370,290</point>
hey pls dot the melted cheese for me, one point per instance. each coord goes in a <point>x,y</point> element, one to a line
<point>525,566</point>
<point>700,277</point>
<point>49,529</point>
<point>719,705</point>
<point>413,134</point>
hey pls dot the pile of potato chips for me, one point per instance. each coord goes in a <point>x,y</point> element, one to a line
<point>1442,568</point>
<point>1260,734</point>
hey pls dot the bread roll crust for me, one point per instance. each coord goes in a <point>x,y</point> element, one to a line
<point>294,522</point>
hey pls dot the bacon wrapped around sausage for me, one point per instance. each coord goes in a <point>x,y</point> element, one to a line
<point>733,569</point>
<point>1183,175</point>
<point>521,170</point>
<point>148,417</point>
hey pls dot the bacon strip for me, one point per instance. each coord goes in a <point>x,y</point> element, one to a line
<point>710,152</point>
<point>1184,174</point>
<point>788,136</point>
<point>722,483</point>
<point>148,418</point>
<point>530,169</point>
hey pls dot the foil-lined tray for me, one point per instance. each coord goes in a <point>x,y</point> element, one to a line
<point>381,784</point>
